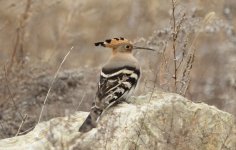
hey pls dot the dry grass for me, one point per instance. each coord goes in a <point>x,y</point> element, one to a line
<point>51,84</point>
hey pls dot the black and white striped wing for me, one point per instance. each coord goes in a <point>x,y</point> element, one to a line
<point>117,84</point>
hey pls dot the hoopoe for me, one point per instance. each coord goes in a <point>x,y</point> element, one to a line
<point>118,79</point>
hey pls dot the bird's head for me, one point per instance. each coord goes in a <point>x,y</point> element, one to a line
<point>120,45</point>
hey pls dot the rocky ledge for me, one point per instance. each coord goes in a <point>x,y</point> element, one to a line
<point>158,120</point>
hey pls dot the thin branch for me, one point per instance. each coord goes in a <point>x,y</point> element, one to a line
<point>3,129</point>
<point>21,125</point>
<point>10,93</point>
<point>174,37</point>
<point>81,101</point>
<point>20,33</point>
<point>50,87</point>
<point>26,131</point>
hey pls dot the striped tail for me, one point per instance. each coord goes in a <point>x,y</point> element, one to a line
<point>91,121</point>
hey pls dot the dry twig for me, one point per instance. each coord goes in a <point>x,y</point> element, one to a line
<point>3,129</point>
<point>51,84</point>
<point>82,99</point>
<point>18,51</point>
<point>21,125</point>
<point>10,93</point>
<point>174,38</point>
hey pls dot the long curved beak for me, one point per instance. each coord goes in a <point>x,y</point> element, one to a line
<point>136,47</point>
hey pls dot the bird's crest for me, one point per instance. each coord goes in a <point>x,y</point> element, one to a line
<point>111,43</point>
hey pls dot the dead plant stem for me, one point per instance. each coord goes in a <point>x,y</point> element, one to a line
<point>50,87</point>
<point>21,125</point>
<point>174,37</point>
<point>11,94</point>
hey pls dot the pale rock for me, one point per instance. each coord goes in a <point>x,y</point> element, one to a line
<point>165,121</point>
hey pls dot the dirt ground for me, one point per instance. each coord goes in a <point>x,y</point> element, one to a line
<point>36,35</point>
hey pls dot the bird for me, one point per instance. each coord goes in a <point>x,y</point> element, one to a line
<point>119,78</point>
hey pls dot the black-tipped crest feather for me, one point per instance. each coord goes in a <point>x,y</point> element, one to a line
<point>99,43</point>
<point>108,40</point>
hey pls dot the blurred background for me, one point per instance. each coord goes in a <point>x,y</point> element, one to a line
<point>36,35</point>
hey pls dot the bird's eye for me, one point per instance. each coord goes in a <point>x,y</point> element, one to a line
<point>127,47</point>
